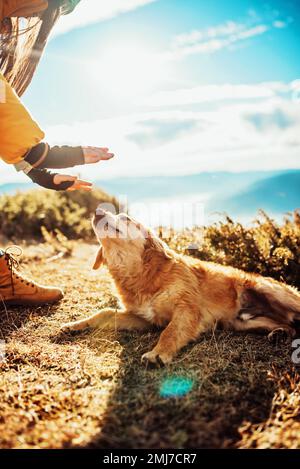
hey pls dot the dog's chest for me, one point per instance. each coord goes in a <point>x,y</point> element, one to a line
<point>147,313</point>
<point>155,314</point>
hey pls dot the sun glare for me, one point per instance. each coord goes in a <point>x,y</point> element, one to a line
<point>130,70</point>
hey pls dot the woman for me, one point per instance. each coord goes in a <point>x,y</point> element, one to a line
<point>21,139</point>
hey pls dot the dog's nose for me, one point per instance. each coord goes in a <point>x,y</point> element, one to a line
<point>99,214</point>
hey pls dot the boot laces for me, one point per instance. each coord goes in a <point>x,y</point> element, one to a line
<point>14,265</point>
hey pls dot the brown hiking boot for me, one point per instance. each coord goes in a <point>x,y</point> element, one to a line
<point>15,289</point>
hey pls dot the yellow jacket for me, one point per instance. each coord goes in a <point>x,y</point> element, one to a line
<point>18,131</point>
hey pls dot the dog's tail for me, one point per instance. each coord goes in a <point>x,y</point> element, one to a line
<point>280,301</point>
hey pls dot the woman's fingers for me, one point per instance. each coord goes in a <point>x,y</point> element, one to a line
<point>59,178</point>
<point>81,185</point>
<point>95,154</point>
<point>78,184</point>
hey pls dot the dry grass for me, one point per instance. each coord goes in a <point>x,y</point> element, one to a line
<point>89,390</point>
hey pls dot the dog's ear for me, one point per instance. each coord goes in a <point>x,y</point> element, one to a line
<point>99,259</point>
<point>156,249</point>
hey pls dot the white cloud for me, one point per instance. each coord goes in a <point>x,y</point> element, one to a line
<point>279,24</point>
<point>94,11</point>
<point>231,135</point>
<point>190,38</point>
<point>251,32</point>
<point>240,135</point>
<point>226,92</point>
<point>210,40</point>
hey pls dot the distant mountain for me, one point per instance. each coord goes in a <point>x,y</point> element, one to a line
<point>277,194</point>
<point>14,187</point>
<point>141,188</point>
<point>238,194</point>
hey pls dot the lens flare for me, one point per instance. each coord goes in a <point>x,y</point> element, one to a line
<point>176,386</point>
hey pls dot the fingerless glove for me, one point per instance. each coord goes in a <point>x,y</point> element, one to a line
<point>43,156</point>
<point>46,179</point>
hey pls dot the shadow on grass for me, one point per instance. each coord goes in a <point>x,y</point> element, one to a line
<point>15,317</point>
<point>200,400</point>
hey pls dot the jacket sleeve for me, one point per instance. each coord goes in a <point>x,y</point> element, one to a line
<point>21,8</point>
<point>18,131</point>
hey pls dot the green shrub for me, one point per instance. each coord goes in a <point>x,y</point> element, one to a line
<point>266,248</point>
<point>22,216</point>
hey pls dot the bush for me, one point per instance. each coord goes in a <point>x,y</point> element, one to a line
<point>24,215</point>
<point>266,248</point>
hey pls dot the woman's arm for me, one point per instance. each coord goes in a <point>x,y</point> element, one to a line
<point>43,156</point>
<point>20,144</point>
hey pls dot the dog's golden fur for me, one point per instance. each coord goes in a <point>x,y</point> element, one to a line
<point>183,295</point>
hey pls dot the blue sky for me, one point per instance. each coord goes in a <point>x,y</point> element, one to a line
<point>174,86</point>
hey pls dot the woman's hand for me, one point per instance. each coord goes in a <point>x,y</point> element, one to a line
<point>95,154</point>
<point>78,183</point>
<point>62,157</point>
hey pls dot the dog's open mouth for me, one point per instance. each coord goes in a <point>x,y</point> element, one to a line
<point>106,224</point>
<point>109,226</point>
<point>115,228</point>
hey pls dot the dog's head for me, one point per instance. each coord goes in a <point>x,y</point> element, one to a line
<point>123,240</point>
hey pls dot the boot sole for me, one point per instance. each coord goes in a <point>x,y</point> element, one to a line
<point>30,302</point>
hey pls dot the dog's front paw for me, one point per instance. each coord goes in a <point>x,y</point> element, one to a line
<point>280,335</point>
<point>68,327</point>
<point>65,328</point>
<point>155,360</point>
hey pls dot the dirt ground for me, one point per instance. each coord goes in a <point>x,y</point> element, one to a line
<point>90,389</point>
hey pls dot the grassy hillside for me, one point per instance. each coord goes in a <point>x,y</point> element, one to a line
<point>90,390</point>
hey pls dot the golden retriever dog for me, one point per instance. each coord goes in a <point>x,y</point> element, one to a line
<point>183,295</point>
